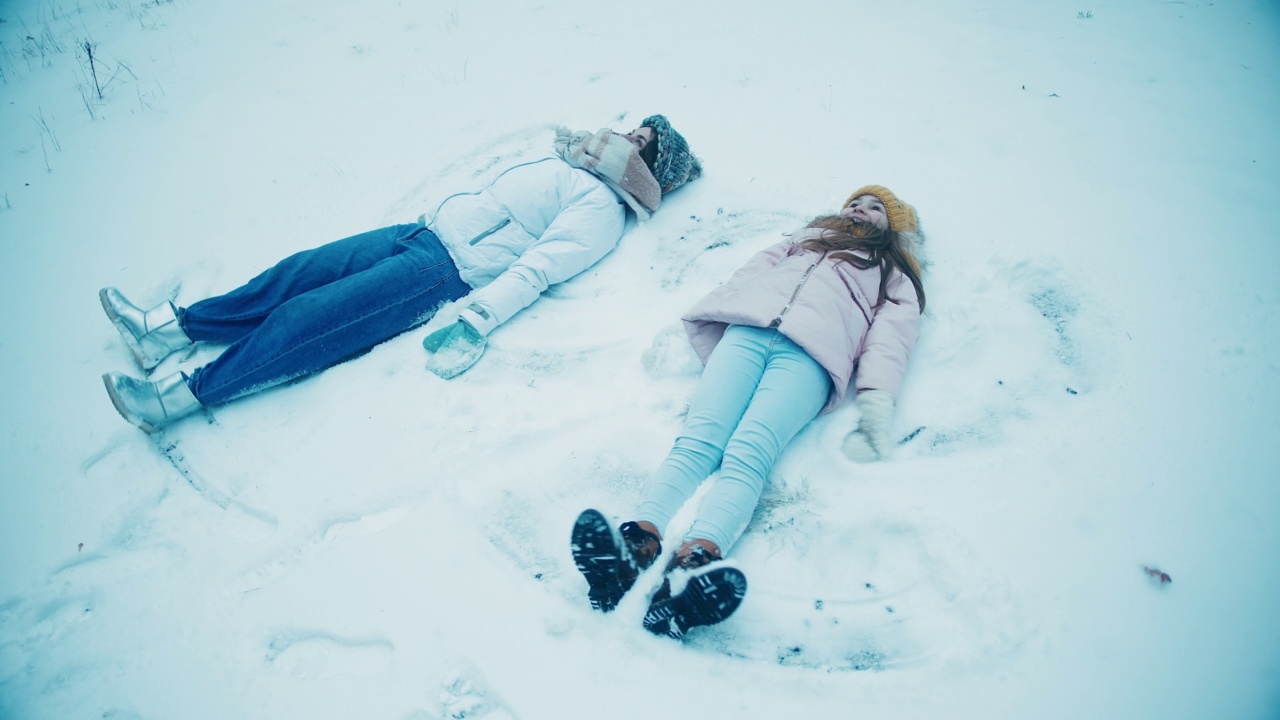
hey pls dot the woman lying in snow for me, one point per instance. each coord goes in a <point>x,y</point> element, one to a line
<point>781,340</point>
<point>537,224</point>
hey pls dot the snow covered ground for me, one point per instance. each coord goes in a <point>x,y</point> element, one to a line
<point>1095,393</point>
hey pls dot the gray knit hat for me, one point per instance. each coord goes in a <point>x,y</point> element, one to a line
<point>676,165</point>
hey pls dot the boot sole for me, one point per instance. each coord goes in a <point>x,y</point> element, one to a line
<point>708,599</point>
<point>597,552</point>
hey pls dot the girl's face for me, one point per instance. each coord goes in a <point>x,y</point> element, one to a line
<point>640,137</point>
<point>867,209</point>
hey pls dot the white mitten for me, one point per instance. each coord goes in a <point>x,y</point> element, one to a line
<point>671,355</point>
<point>870,441</point>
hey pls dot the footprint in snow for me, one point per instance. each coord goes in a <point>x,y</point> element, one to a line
<point>46,626</point>
<point>465,697</point>
<point>298,555</point>
<point>320,655</point>
<point>110,566</point>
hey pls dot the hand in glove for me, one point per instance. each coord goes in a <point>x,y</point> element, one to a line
<point>870,441</point>
<point>454,349</point>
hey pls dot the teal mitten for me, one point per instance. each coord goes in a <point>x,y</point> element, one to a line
<point>454,349</point>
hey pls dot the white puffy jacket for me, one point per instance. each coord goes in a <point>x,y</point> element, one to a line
<point>534,225</point>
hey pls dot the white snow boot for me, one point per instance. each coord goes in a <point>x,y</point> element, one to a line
<point>151,405</point>
<point>152,335</point>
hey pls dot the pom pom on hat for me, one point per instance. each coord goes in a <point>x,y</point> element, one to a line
<point>676,165</point>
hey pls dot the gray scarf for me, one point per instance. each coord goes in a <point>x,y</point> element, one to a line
<point>614,160</point>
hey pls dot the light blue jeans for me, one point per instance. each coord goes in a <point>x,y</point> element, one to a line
<point>758,390</point>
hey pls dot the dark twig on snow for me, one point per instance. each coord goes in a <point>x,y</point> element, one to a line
<point>89,47</point>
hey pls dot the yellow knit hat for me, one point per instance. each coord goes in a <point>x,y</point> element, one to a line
<point>901,215</point>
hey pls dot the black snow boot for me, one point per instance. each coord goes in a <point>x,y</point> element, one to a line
<point>609,559</point>
<point>710,595</point>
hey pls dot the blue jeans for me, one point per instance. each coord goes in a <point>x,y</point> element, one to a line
<point>758,390</point>
<point>320,307</point>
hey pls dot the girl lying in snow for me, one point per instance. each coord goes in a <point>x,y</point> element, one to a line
<point>536,224</point>
<point>781,340</point>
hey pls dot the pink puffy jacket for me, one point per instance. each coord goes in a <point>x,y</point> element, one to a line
<point>825,306</point>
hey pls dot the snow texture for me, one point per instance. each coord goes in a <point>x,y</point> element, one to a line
<point>1079,516</point>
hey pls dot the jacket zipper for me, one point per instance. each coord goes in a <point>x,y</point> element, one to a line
<point>796,293</point>
<point>505,222</point>
<point>439,206</point>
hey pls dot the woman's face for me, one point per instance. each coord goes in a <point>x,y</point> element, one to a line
<point>640,137</point>
<point>867,209</point>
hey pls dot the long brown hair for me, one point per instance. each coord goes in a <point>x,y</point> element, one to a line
<point>885,249</point>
